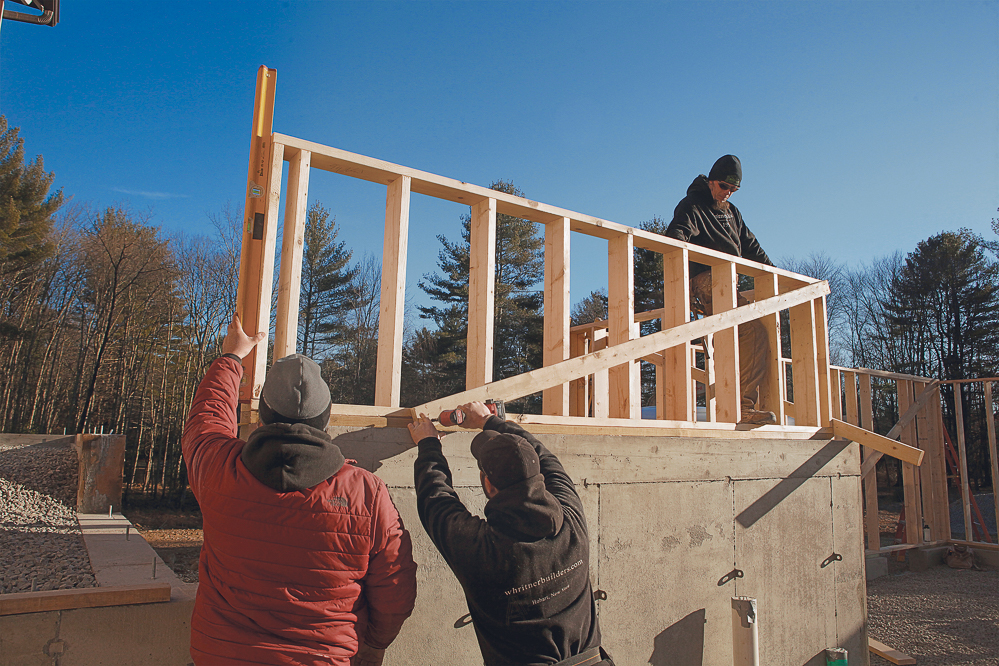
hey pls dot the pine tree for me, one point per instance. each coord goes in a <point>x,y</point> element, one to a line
<point>327,285</point>
<point>425,366</point>
<point>944,309</point>
<point>26,207</point>
<point>352,363</point>
<point>518,300</point>
<point>590,309</point>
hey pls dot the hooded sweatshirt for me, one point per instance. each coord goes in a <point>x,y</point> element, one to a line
<point>698,220</point>
<point>525,568</point>
<point>304,556</point>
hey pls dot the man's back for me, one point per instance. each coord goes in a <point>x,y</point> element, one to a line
<point>288,577</point>
<point>525,569</point>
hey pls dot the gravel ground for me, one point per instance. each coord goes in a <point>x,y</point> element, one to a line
<point>41,547</point>
<point>941,616</point>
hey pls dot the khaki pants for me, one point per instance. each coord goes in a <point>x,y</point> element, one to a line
<point>754,345</point>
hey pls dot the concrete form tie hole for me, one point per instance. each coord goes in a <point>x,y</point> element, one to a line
<point>730,576</point>
<point>835,557</point>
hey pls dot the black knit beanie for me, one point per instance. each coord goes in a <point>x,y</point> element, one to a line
<point>727,168</point>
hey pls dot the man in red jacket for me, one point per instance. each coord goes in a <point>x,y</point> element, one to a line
<point>305,558</point>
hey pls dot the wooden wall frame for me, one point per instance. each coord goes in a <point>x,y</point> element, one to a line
<point>605,389</point>
<point>590,374</point>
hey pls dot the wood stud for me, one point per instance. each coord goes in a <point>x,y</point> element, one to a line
<point>555,400</point>
<point>388,375</point>
<point>910,474</point>
<point>675,390</point>
<point>990,420</point>
<point>724,283</point>
<point>963,456</point>
<point>805,365</point>
<point>872,521</point>
<point>772,390</point>
<point>481,294</point>
<point>292,246</point>
<point>624,403</point>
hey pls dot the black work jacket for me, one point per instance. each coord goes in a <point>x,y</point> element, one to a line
<point>694,221</point>
<point>525,568</point>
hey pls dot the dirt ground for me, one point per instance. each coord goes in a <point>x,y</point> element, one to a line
<point>175,536</point>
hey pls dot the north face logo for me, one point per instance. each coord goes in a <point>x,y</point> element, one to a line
<point>339,501</point>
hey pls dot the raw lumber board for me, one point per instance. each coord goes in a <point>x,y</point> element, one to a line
<point>894,656</point>
<point>90,597</point>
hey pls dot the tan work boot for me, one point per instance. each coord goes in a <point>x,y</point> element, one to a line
<point>756,417</point>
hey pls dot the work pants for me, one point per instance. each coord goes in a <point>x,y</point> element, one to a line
<point>754,343</point>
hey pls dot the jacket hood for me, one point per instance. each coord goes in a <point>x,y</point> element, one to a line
<point>700,188</point>
<point>700,192</point>
<point>525,511</point>
<point>289,457</point>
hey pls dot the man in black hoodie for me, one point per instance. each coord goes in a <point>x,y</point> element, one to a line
<point>525,568</point>
<point>705,217</point>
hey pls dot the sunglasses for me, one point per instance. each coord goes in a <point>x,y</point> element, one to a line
<point>728,188</point>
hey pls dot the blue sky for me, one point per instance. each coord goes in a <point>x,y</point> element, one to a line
<point>863,127</point>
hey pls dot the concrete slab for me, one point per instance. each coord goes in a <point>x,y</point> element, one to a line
<point>119,555</point>
<point>921,559</point>
<point>16,441</point>
<point>875,566</point>
<point>987,558</point>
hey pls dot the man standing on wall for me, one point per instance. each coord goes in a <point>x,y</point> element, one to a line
<point>305,558</point>
<point>525,568</point>
<point>705,217</point>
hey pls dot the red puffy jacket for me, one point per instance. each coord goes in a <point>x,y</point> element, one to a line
<point>288,578</point>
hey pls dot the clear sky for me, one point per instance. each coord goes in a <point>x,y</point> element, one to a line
<point>863,127</point>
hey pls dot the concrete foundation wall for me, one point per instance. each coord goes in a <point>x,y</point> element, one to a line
<point>140,634</point>
<point>134,635</point>
<point>678,527</point>
<point>671,519</point>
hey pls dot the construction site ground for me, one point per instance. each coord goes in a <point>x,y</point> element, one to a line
<point>941,616</point>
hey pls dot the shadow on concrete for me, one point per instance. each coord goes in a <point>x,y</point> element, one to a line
<point>682,643</point>
<point>370,446</point>
<point>792,482</point>
<point>817,660</point>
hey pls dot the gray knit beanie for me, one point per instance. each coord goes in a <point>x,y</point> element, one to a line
<point>295,389</point>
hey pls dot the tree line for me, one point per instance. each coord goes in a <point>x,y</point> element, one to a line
<point>106,324</point>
